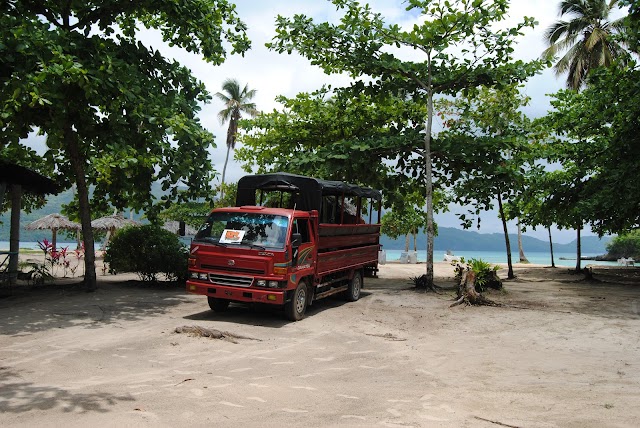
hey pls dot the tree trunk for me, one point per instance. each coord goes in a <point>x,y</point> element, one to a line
<point>415,241</point>
<point>428,175</point>
<point>3,189</point>
<point>77,165</point>
<point>14,234</point>
<point>224,172</point>
<point>510,274</point>
<point>406,243</point>
<point>523,258</point>
<point>553,262</point>
<point>578,251</point>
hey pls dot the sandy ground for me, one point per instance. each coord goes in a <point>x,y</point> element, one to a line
<point>562,353</point>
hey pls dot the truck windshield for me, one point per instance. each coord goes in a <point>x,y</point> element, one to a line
<point>247,229</point>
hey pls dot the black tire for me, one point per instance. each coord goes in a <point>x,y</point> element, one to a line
<point>355,285</point>
<point>295,308</point>
<point>218,305</point>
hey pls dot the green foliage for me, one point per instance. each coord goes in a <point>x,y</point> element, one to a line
<point>148,251</point>
<point>192,213</point>
<point>407,217</point>
<point>488,136</point>
<point>456,46</point>
<point>195,213</point>
<point>631,34</point>
<point>118,115</point>
<point>133,110</point>
<point>597,145</point>
<point>588,39</point>
<point>336,134</point>
<point>627,245</point>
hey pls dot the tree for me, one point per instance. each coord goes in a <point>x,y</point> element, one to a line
<point>627,245</point>
<point>336,134</point>
<point>405,218</point>
<point>236,102</point>
<point>522,257</point>
<point>531,202</point>
<point>587,39</point>
<point>117,115</point>
<point>597,147</point>
<point>457,47</point>
<point>492,134</point>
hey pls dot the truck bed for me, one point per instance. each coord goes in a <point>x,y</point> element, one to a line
<point>340,260</point>
<point>341,236</point>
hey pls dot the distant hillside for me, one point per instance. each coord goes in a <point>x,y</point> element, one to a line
<point>453,239</point>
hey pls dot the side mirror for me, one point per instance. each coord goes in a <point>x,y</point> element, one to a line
<point>296,240</point>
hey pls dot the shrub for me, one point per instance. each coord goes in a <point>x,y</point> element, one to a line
<point>148,251</point>
<point>627,245</point>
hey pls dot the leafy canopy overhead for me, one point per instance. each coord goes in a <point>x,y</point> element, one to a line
<point>79,65</point>
<point>460,45</point>
<point>338,135</point>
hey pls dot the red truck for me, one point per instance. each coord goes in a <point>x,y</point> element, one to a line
<point>290,240</point>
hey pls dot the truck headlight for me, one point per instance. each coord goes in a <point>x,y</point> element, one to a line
<point>203,276</point>
<point>273,284</point>
<point>261,283</point>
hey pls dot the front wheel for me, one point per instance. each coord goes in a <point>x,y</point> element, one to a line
<point>295,308</point>
<point>218,305</point>
<point>355,285</point>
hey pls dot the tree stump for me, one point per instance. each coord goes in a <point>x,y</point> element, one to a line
<point>468,294</point>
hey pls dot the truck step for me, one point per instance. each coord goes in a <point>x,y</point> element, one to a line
<point>333,291</point>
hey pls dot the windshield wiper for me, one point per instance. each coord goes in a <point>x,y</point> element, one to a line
<point>210,240</point>
<point>258,247</point>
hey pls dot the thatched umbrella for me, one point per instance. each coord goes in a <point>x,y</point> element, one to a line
<point>53,222</point>
<point>112,222</point>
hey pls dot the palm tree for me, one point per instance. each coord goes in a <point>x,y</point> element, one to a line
<point>236,102</point>
<point>586,38</point>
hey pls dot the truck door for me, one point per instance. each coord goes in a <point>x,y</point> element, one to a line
<point>304,254</point>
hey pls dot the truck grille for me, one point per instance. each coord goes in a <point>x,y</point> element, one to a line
<point>233,269</point>
<point>233,281</point>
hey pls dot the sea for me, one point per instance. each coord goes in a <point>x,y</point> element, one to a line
<point>4,245</point>
<point>542,258</point>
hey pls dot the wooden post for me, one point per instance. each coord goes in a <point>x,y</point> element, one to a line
<point>14,238</point>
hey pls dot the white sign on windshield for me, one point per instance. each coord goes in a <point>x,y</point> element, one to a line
<point>231,236</point>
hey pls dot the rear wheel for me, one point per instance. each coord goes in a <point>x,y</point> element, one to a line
<point>295,308</point>
<point>218,305</point>
<point>355,285</point>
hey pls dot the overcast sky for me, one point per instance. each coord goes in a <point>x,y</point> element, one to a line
<point>272,74</point>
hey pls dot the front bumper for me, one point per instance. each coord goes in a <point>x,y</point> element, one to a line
<point>237,294</point>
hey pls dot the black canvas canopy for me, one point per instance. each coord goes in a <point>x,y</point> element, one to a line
<point>309,190</point>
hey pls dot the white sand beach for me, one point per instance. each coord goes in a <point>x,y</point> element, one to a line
<point>560,353</point>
